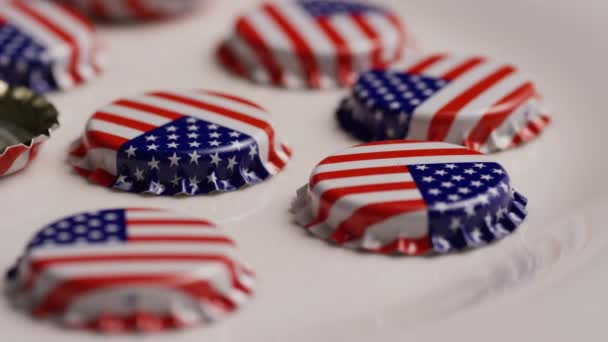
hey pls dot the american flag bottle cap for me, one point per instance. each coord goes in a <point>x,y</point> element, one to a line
<point>122,270</point>
<point>26,121</point>
<point>46,46</point>
<point>313,43</point>
<point>409,197</point>
<point>470,101</point>
<point>128,10</point>
<point>179,143</point>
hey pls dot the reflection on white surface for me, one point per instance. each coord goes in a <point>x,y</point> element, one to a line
<point>494,271</point>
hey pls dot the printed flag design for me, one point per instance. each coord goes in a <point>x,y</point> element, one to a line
<point>17,157</point>
<point>46,46</point>
<point>471,101</point>
<point>314,43</point>
<point>171,143</point>
<point>131,269</point>
<point>410,197</point>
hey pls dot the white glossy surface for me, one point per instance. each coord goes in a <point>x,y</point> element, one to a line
<point>545,283</point>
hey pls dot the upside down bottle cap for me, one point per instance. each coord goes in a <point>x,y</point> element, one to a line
<point>26,121</point>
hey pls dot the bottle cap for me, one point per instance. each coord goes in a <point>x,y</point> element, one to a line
<point>122,270</point>
<point>179,143</point>
<point>470,101</point>
<point>123,10</point>
<point>313,43</point>
<point>409,197</point>
<point>26,121</point>
<point>46,46</point>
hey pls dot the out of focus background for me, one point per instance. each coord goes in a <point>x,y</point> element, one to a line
<point>545,283</point>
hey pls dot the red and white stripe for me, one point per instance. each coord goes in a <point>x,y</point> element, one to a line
<point>108,129</point>
<point>170,260</point>
<point>480,101</point>
<point>17,157</point>
<point>71,41</point>
<point>288,47</point>
<point>365,196</point>
<point>134,9</point>
<point>532,130</point>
